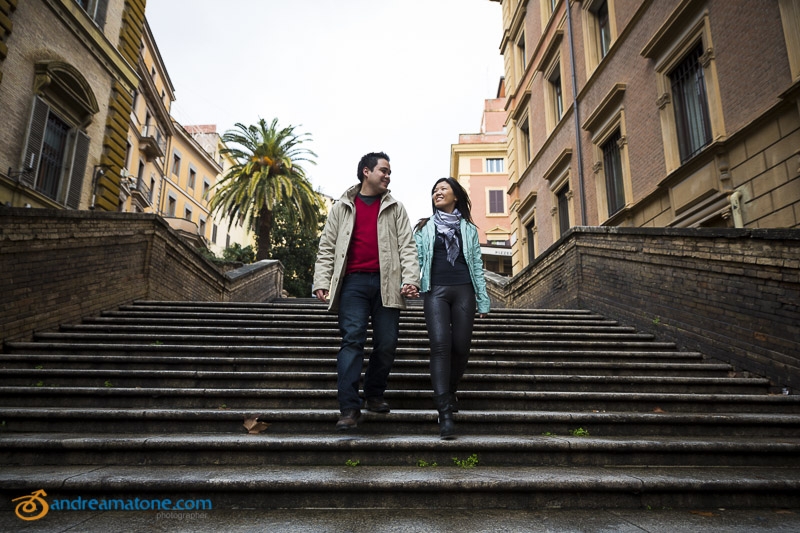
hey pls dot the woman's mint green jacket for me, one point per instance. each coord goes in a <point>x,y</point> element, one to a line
<point>472,253</point>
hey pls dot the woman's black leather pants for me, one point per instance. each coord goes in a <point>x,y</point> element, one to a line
<point>449,316</point>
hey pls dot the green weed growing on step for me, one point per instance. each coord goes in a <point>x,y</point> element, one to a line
<point>580,432</point>
<point>3,424</point>
<point>469,462</point>
<point>423,464</point>
<point>39,367</point>
<point>40,384</point>
<point>108,384</point>
<point>656,321</point>
<point>350,462</point>
<point>156,343</point>
<point>548,434</point>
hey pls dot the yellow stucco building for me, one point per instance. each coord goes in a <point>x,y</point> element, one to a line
<point>170,169</point>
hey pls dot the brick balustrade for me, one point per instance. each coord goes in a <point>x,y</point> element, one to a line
<point>58,266</point>
<point>732,294</point>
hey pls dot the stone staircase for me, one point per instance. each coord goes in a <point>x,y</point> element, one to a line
<point>562,408</point>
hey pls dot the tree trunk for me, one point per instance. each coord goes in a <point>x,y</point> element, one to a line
<point>264,234</point>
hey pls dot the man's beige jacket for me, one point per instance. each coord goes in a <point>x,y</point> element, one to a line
<point>397,252</point>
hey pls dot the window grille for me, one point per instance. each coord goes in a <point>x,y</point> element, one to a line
<point>612,166</point>
<point>563,214</point>
<point>691,104</point>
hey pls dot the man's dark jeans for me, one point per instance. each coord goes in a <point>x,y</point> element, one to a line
<point>360,299</point>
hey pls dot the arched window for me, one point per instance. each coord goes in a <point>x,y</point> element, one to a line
<point>57,147</point>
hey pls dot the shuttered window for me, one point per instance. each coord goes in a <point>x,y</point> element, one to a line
<point>55,156</point>
<point>496,202</point>
<point>78,171</point>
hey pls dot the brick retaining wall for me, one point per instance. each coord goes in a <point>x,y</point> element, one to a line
<point>59,266</point>
<point>732,294</point>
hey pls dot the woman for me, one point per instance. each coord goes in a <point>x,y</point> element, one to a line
<point>452,281</point>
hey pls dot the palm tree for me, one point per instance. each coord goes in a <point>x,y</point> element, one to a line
<point>267,171</point>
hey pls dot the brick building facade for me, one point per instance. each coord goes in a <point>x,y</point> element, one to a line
<point>677,113</point>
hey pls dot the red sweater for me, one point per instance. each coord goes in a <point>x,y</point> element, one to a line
<point>363,252</point>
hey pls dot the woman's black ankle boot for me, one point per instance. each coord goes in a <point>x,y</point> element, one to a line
<point>447,427</point>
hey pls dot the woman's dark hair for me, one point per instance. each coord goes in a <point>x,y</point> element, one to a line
<point>463,203</point>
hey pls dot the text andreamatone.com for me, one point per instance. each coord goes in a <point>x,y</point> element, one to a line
<point>134,504</point>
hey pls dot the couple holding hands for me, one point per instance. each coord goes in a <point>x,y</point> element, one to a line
<point>369,260</point>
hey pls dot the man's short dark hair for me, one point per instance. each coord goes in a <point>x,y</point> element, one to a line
<point>369,161</point>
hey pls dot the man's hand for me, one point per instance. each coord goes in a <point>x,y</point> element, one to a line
<point>322,295</point>
<point>409,291</point>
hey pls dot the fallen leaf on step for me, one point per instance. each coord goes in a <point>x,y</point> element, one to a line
<point>659,410</point>
<point>253,426</point>
<point>783,511</point>
<point>703,513</point>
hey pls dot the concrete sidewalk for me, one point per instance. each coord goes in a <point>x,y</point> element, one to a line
<point>416,520</point>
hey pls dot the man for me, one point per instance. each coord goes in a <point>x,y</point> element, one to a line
<point>366,265</point>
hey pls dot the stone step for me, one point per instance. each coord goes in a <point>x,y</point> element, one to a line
<point>322,314</point>
<point>205,328</point>
<point>399,422</point>
<point>382,519</point>
<point>514,487</point>
<point>406,323</point>
<point>320,450</point>
<point>207,398</point>
<point>276,364</point>
<point>527,340</point>
<point>181,306</point>
<point>618,352</point>
<point>398,380</point>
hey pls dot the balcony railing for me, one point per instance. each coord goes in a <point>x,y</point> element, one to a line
<point>142,188</point>
<point>154,143</point>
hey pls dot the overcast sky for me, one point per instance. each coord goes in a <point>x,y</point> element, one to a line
<point>400,76</point>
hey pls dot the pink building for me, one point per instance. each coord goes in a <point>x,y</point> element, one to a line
<point>478,163</point>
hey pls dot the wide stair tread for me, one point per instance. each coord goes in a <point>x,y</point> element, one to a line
<point>402,421</point>
<point>450,487</point>
<point>405,450</point>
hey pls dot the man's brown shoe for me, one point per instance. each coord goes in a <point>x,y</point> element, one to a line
<point>348,419</point>
<point>376,404</point>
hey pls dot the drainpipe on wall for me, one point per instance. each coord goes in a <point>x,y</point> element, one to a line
<point>162,187</point>
<point>576,111</point>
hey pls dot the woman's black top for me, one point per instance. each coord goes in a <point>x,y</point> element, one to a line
<point>442,272</point>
